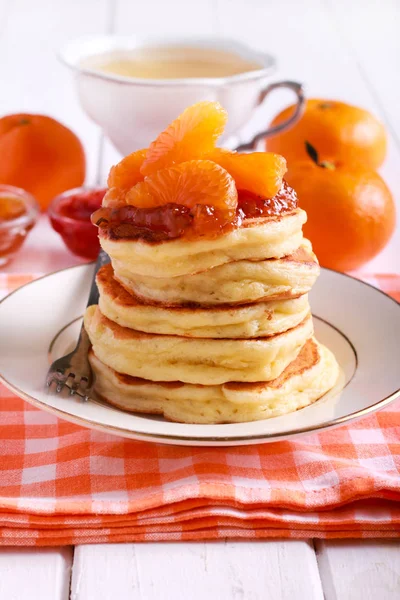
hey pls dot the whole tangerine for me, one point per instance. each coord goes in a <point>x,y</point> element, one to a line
<point>351,212</point>
<point>40,155</point>
<point>337,129</point>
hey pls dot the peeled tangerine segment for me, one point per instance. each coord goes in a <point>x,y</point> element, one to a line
<point>192,135</point>
<point>258,172</point>
<point>127,172</point>
<point>189,183</point>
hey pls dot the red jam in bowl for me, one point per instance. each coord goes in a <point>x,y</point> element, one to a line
<point>70,213</point>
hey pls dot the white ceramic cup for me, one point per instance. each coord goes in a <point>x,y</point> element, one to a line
<point>132,111</point>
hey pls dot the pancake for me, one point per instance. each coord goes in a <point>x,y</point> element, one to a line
<point>256,239</point>
<point>193,360</point>
<point>306,379</point>
<point>238,282</point>
<point>223,321</point>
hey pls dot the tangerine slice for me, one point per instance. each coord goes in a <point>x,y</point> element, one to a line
<point>114,197</point>
<point>258,172</point>
<point>187,184</point>
<point>127,172</point>
<point>11,207</point>
<point>192,135</point>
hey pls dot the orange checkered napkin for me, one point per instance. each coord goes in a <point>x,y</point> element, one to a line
<point>62,484</point>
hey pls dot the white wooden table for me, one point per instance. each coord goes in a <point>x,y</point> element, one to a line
<point>346,49</point>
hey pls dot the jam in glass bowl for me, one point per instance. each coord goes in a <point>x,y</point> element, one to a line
<point>69,214</point>
<point>19,212</point>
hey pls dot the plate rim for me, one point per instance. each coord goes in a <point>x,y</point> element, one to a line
<point>164,437</point>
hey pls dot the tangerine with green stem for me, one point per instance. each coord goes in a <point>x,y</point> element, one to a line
<point>350,211</point>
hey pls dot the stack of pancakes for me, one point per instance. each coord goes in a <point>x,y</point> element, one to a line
<point>211,330</point>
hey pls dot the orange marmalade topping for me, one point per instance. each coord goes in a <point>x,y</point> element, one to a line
<point>182,185</point>
<point>11,207</point>
<point>171,221</point>
<point>12,230</point>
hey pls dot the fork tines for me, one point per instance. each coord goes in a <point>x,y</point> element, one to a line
<point>67,379</point>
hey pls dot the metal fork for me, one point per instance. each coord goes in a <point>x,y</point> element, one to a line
<point>73,370</point>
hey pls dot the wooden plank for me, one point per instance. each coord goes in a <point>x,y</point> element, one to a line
<point>254,570</point>
<point>175,17</point>
<point>35,573</point>
<point>359,569</point>
<point>104,571</point>
<point>5,6</point>
<point>360,23</point>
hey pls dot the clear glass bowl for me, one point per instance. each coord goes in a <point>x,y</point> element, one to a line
<point>13,231</point>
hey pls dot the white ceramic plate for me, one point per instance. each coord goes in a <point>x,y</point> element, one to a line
<point>361,325</point>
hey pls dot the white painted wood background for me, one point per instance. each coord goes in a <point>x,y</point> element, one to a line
<point>345,49</point>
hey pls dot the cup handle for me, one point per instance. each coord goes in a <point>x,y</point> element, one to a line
<point>298,89</point>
